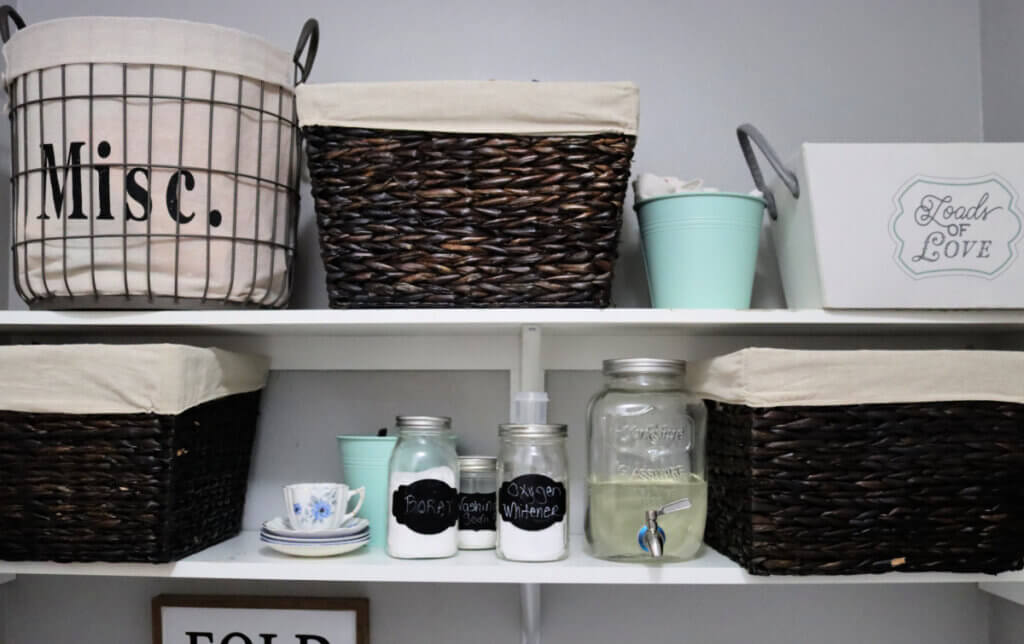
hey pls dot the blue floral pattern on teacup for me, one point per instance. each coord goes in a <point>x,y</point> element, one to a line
<point>320,510</point>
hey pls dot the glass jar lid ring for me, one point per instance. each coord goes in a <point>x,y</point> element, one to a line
<point>478,464</point>
<point>533,431</point>
<point>657,366</point>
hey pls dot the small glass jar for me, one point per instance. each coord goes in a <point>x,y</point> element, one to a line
<point>478,495</point>
<point>533,478</point>
<point>645,448</point>
<point>423,489</point>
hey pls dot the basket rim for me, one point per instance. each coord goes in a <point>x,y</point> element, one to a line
<point>229,50</point>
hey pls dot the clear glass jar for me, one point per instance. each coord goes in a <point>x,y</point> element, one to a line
<point>423,489</point>
<point>645,450</point>
<point>533,479</point>
<point>478,496</point>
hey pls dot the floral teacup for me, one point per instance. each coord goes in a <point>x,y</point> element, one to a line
<point>320,506</point>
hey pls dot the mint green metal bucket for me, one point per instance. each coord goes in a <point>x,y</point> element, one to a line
<point>700,248</point>
<point>364,463</point>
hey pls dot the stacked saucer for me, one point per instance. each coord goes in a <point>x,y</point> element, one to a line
<point>351,535</point>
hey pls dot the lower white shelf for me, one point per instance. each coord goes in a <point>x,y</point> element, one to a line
<point>244,557</point>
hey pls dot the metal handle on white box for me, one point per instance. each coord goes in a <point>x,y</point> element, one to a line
<point>747,132</point>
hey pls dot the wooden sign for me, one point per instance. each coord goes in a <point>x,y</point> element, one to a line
<point>197,619</point>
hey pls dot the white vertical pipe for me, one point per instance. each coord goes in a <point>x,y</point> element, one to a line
<point>531,378</point>
<point>529,606</point>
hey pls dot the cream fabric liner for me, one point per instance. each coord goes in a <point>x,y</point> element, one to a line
<point>122,379</point>
<point>775,377</point>
<point>145,41</point>
<point>475,107</point>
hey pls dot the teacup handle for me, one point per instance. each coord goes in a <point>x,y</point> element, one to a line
<point>362,497</point>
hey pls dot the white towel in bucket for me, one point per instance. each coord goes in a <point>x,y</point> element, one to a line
<point>651,185</point>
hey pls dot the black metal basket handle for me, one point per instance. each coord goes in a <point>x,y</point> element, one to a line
<point>8,15</point>
<point>309,39</point>
<point>747,132</point>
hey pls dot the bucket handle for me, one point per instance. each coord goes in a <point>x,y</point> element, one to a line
<point>8,15</point>
<point>747,132</point>
<point>310,35</point>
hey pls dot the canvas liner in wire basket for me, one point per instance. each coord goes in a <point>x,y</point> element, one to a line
<point>155,163</point>
<point>464,194</point>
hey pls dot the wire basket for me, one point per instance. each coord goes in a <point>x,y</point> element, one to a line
<point>166,179</point>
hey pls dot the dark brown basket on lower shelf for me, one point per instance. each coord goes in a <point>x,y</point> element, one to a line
<point>124,487</point>
<point>427,219</point>
<point>868,488</point>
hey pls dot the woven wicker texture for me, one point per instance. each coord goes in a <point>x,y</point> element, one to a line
<point>128,487</point>
<point>421,219</point>
<point>868,488</point>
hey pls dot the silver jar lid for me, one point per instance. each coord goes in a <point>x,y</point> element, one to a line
<point>436,423</point>
<point>657,366</point>
<point>478,464</point>
<point>533,431</point>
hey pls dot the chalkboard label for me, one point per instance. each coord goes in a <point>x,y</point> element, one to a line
<point>427,506</point>
<point>532,502</point>
<point>476,512</point>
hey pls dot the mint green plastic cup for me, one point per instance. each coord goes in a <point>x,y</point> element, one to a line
<point>364,463</point>
<point>700,249</point>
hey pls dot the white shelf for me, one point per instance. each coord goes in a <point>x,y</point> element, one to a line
<point>244,557</point>
<point>327,322</point>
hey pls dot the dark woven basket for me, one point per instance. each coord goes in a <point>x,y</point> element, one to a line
<point>868,488</point>
<point>124,487</point>
<point>426,219</point>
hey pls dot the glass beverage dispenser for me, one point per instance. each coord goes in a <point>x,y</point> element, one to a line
<point>646,486</point>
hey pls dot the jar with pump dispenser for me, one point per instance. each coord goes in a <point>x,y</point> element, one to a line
<point>533,478</point>
<point>423,489</point>
<point>646,485</point>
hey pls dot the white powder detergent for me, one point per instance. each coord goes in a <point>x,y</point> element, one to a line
<point>532,515</point>
<point>403,541</point>
<point>477,539</point>
<point>531,545</point>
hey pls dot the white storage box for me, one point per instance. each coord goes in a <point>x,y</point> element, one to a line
<point>155,164</point>
<point>891,226</point>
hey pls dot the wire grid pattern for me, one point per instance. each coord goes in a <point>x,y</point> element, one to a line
<point>134,246</point>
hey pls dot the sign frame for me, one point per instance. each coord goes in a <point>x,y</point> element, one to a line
<point>359,606</point>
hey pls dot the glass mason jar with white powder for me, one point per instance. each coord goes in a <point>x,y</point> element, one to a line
<point>533,478</point>
<point>423,505</point>
<point>478,497</point>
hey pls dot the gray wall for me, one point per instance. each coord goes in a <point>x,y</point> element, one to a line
<point>1002,51</point>
<point>1006,622</point>
<point>5,207</point>
<point>105,611</point>
<point>3,615</point>
<point>801,69</point>
<point>1002,54</point>
<point>304,410</point>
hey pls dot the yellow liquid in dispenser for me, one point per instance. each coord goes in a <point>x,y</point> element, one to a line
<point>616,513</point>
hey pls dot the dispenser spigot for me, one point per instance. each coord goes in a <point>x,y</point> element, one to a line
<point>651,536</point>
